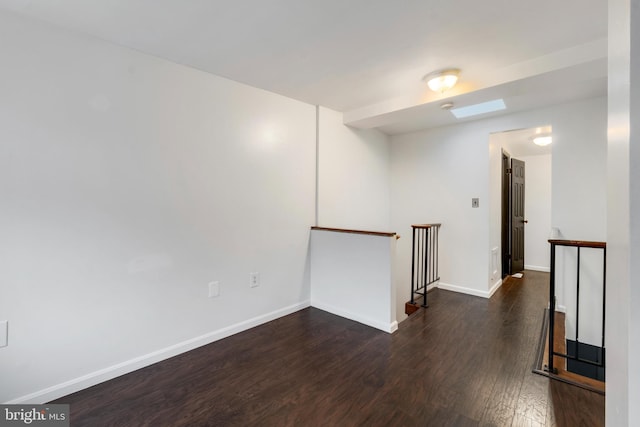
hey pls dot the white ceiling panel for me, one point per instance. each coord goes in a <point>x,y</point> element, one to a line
<point>344,55</point>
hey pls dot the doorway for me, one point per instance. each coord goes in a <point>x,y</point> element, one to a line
<point>513,214</point>
<point>525,216</point>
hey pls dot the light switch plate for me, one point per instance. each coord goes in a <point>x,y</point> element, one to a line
<point>4,333</point>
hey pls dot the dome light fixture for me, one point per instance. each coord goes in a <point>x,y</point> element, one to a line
<point>542,140</point>
<point>443,80</point>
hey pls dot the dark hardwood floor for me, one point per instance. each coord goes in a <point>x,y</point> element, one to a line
<point>464,361</point>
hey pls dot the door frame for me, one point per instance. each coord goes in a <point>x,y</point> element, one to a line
<point>506,214</point>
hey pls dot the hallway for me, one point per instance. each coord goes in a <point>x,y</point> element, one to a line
<point>465,361</point>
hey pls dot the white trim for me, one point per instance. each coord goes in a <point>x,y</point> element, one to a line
<point>494,261</point>
<point>561,308</point>
<point>495,287</point>
<point>468,291</point>
<point>537,268</point>
<point>393,326</point>
<point>97,377</point>
<point>433,286</point>
<point>386,327</point>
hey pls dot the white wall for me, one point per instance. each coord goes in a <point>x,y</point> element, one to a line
<point>127,184</point>
<point>353,193</point>
<point>623,246</point>
<point>353,168</point>
<point>435,173</point>
<point>352,276</point>
<point>580,174</point>
<point>634,181</point>
<point>579,194</point>
<point>537,211</point>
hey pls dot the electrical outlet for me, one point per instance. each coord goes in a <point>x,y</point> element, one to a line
<point>475,202</point>
<point>4,333</point>
<point>254,280</point>
<point>214,289</point>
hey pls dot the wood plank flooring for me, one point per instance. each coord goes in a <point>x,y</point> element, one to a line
<point>464,361</point>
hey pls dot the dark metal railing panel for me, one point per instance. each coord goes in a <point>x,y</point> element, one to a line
<point>604,293</point>
<point>577,301</point>
<point>552,307</point>
<point>578,244</point>
<point>424,260</point>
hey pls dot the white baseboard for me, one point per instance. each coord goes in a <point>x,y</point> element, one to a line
<point>469,291</point>
<point>393,326</point>
<point>537,268</point>
<point>495,287</point>
<point>386,327</point>
<point>97,377</point>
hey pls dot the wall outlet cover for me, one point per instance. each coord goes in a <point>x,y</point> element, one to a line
<point>214,289</point>
<point>254,280</point>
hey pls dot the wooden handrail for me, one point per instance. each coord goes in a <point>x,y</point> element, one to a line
<point>578,243</point>
<point>345,230</point>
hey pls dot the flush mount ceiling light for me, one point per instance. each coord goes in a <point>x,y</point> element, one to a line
<point>443,80</point>
<point>542,140</point>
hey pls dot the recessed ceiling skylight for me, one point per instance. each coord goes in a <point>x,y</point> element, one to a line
<point>476,109</point>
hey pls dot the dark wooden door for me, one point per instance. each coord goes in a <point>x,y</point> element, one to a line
<point>517,215</point>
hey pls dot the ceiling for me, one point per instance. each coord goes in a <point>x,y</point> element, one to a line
<point>365,58</point>
<point>519,142</point>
